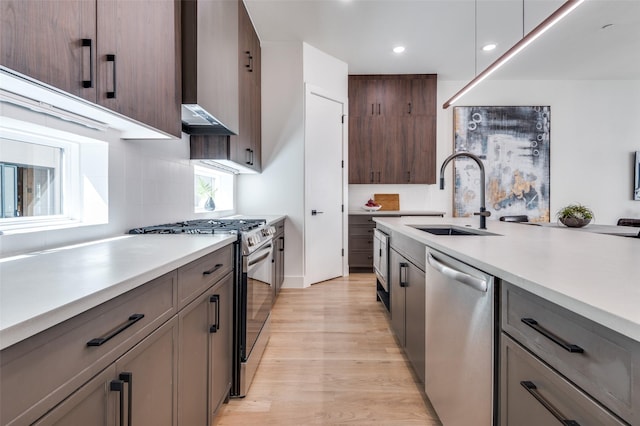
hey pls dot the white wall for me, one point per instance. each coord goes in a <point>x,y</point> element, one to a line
<point>279,189</point>
<point>594,132</point>
<point>150,182</point>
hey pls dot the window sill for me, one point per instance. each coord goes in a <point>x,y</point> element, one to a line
<point>43,226</point>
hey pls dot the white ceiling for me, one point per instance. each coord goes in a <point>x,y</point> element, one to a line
<point>445,36</point>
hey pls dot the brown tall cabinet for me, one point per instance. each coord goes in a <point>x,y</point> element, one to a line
<point>392,128</point>
<point>123,55</point>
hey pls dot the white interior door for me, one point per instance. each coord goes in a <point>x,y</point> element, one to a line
<point>323,232</point>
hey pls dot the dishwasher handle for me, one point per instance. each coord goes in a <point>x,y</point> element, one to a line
<point>464,278</point>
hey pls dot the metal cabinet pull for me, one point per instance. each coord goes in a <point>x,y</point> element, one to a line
<point>372,107</point>
<point>212,270</point>
<point>215,299</point>
<point>87,42</point>
<point>281,245</point>
<point>410,107</point>
<point>118,386</point>
<point>249,66</point>
<point>99,341</point>
<point>371,177</point>
<point>112,58</point>
<point>549,335</point>
<point>247,156</point>
<point>533,390</point>
<point>127,378</point>
<point>378,109</point>
<point>404,267</point>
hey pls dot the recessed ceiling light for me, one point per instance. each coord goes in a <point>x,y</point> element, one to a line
<point>489,47</point>
<point>398,49</point>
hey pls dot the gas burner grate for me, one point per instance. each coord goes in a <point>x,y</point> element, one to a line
<point>202,226</point>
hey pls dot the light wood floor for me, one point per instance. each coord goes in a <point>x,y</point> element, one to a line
<point>331,360</point>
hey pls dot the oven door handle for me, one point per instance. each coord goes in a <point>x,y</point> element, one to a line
<point>261,257</point>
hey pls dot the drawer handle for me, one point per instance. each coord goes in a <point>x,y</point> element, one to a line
<point>549,335</point>
<point>87,42</point>
<point>99,341</point>
<point>212,270</point>
<point>533,390</point>
<point>112,58</point>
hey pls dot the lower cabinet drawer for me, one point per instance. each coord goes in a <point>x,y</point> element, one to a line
<point>532,394</point>
<point>37,373</point>
<point>361,259</point>
<point>600,361</point>
<point>361,243</point>
<point>197,276</point>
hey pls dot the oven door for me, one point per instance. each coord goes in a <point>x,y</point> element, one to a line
<point>259,294</point>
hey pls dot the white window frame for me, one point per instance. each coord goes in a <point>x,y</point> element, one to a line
<point>78,194</point>
<point>226,185</point>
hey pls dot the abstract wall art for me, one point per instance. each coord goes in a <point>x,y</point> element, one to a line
<point>513,143</point>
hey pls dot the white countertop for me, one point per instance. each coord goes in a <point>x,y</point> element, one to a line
<point>41,289</point>
<point>396,212</point>
<point>590,273</point>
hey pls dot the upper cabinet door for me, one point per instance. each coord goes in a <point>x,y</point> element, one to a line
<point>364,96</point>
<point>44,40</point>
<point>423,91</point>
<point>139,62</point>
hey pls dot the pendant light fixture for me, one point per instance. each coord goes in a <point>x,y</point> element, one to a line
<point>553,19</point>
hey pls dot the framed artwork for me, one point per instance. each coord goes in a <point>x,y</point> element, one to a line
<point>513,143</point>
<point>636,186</point>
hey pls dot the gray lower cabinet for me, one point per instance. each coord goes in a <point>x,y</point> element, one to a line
<point>138,387</point>
<point>278,259</point>
<point>407,302</point>
<point>534,395</point>
<point>157,355</point>
<point>204,378</point>
<point>557,363</point>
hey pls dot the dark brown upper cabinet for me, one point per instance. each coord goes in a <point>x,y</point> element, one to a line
<point>123,55</point>
<point>392,129</point>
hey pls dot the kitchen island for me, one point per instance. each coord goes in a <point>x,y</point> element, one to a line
<point>594,275</point>
<point>540,323</point>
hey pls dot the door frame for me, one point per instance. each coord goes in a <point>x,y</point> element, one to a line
<point>310,90</point>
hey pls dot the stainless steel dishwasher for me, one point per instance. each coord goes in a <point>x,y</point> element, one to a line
<point>460,350</point>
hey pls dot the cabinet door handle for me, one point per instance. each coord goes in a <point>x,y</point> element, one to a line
<point>378,177</point>
<point>87,42</point>
<point>409,176</point>
<point>112,58</point>
<point>404,267</point>
<point>118,386</point>
<point>281,245</point>
<point>215,299</point>
<point>378,109</point>
<point>371,177</point>
<point>249,66</point>
<point>127,378</point>
<point>549,335</point>
<point>99,341</point>
<point>212,270</point>
<point>252,157</point>
<point>410,107</point>
<point>372,109</point>
<point>247,156</point>
<point>533,390</point>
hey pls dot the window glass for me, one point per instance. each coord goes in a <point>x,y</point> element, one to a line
<point>213,190</point>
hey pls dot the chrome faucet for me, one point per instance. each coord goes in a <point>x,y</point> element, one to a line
<point>483,210</point>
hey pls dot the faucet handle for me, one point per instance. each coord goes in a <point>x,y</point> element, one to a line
<point>484,214</point>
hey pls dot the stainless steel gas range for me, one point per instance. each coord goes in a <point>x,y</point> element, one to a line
<point>253,287</point>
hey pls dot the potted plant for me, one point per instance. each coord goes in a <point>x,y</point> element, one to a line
<point>575,215</point>
<point>206,190</point>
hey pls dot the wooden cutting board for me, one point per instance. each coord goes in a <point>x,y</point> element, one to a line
<point>387,201</point>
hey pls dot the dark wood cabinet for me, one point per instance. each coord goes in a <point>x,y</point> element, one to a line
<point>392,129</point>
<point>247,144</point>
<point>361,243</point>
<point>101,51</point>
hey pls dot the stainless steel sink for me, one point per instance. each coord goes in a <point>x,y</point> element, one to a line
<point>451,230</point>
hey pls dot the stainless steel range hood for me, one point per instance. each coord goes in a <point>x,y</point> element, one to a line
<point>210,92</point>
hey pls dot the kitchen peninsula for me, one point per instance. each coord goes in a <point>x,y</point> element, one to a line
<point>582,288</point>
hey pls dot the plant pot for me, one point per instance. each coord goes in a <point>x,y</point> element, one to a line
<point>574,222</point>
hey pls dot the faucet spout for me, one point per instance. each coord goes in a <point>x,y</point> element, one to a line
<point>483,210</point>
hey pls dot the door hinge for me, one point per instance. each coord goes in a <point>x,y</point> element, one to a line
<point>342,252</point>
<point>343,118</point>
<point>342,208</point>
<point>342,163</point>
